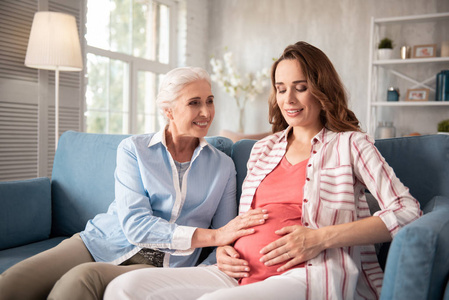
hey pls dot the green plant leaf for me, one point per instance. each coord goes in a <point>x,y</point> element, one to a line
<point>385,43</point>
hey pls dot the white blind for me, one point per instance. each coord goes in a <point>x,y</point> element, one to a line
<point>18,136</point>
<point>16,18</point>
<point>18,119</point>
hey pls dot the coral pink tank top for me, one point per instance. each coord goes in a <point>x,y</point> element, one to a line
<point>281,194</point>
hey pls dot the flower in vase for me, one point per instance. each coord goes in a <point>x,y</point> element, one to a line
<point>241,88</point>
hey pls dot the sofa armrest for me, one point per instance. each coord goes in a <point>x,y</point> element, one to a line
<point>25,212</point>
<point>418,261</point>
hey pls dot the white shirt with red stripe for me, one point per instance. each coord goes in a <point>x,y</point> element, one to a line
<point>340,168</point>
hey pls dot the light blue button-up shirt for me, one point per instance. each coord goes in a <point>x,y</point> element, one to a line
<point>151,210</point>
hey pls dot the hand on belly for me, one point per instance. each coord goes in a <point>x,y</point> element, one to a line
<point>280,215</point>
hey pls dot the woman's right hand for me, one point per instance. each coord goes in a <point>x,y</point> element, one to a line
<point>228,234</point>
<point>240,226</point>
<point>229,262</point>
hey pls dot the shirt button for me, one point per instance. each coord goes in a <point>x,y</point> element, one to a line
<point>309,265</point>
<point>314,152</point>
<point>306,224</point>
<point>305,200</point>
<point>309,165</point>
<point>308,179</point>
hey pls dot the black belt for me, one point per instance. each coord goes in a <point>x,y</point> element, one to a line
<point>154,257</point>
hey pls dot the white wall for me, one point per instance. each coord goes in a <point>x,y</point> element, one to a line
<point>196,49</point>
<point>258,30</point>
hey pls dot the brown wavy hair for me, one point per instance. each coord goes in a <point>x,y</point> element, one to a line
<point>324,84</point>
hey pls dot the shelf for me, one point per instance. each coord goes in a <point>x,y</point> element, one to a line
<point>417,18</point>
<point>405,73</point>
<point>392,62</point>
<point>410,103</point>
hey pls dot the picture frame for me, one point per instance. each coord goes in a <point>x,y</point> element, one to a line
<point>417,95</point>
<point>424,51</point>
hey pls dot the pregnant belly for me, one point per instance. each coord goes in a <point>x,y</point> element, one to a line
<point>280,215</point>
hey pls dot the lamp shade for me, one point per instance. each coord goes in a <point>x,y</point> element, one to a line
<point>54,43</point>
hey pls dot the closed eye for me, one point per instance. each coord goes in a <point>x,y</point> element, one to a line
<point>301,88</point>
<point>281,90</point>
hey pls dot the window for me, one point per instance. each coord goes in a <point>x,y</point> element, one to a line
<point>130,45</point>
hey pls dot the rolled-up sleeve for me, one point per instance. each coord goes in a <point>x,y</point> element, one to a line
<point>182,238</point>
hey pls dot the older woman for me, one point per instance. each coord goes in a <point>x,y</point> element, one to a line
<point>169,202</point>
<point>310,176</point>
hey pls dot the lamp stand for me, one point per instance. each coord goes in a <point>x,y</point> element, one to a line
<point>54,45</point>
<point>56,107</point>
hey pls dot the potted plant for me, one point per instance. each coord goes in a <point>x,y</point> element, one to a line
<point>443,127</point>
<point>385,48</point>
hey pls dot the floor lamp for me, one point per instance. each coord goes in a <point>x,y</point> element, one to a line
<point>54,45</point>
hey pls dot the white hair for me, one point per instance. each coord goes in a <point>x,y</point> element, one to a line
<point>174,81</point>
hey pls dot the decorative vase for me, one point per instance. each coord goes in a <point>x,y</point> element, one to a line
<point>385,53</point>
<point>240,100</point>
<point>241,128</point>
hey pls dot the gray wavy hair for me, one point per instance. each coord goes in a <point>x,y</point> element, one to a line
<point>173,82</point>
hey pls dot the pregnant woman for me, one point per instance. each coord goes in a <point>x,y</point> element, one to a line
<point>310,177</point>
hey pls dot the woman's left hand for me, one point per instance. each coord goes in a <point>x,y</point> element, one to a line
<point>297,245</point>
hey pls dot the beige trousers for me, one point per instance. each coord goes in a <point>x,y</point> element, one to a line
<point>67,271</point>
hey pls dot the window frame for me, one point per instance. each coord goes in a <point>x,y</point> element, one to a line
<point>136,65</point>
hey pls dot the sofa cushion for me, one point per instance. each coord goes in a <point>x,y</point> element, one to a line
<point>420,162</point>
<point>223,144</point>
<point>240,155</point>
<point>25,212</point>
<point>10,257</point>
<point>82,179</point>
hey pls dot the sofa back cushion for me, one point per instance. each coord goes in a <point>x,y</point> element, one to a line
<point>25,212</point>
<point>240,155</point>
<point>83,177</point>
<point>82,182</point>
<point>420,162</point>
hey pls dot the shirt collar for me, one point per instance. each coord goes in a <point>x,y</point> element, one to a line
<point>284,134</point>
<point>323,136</point>
<point>159,137</point>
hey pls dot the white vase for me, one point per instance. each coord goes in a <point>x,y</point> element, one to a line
<point>241,128</point>
<point>385,53</point>
<point>241,102</point>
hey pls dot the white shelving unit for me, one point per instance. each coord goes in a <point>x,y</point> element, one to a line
<point>377,101</point>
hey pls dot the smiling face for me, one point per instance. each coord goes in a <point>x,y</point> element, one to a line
<point>298,106</point>
<point>193,111</point>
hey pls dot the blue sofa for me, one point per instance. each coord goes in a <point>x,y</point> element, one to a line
<point>37,214</point>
